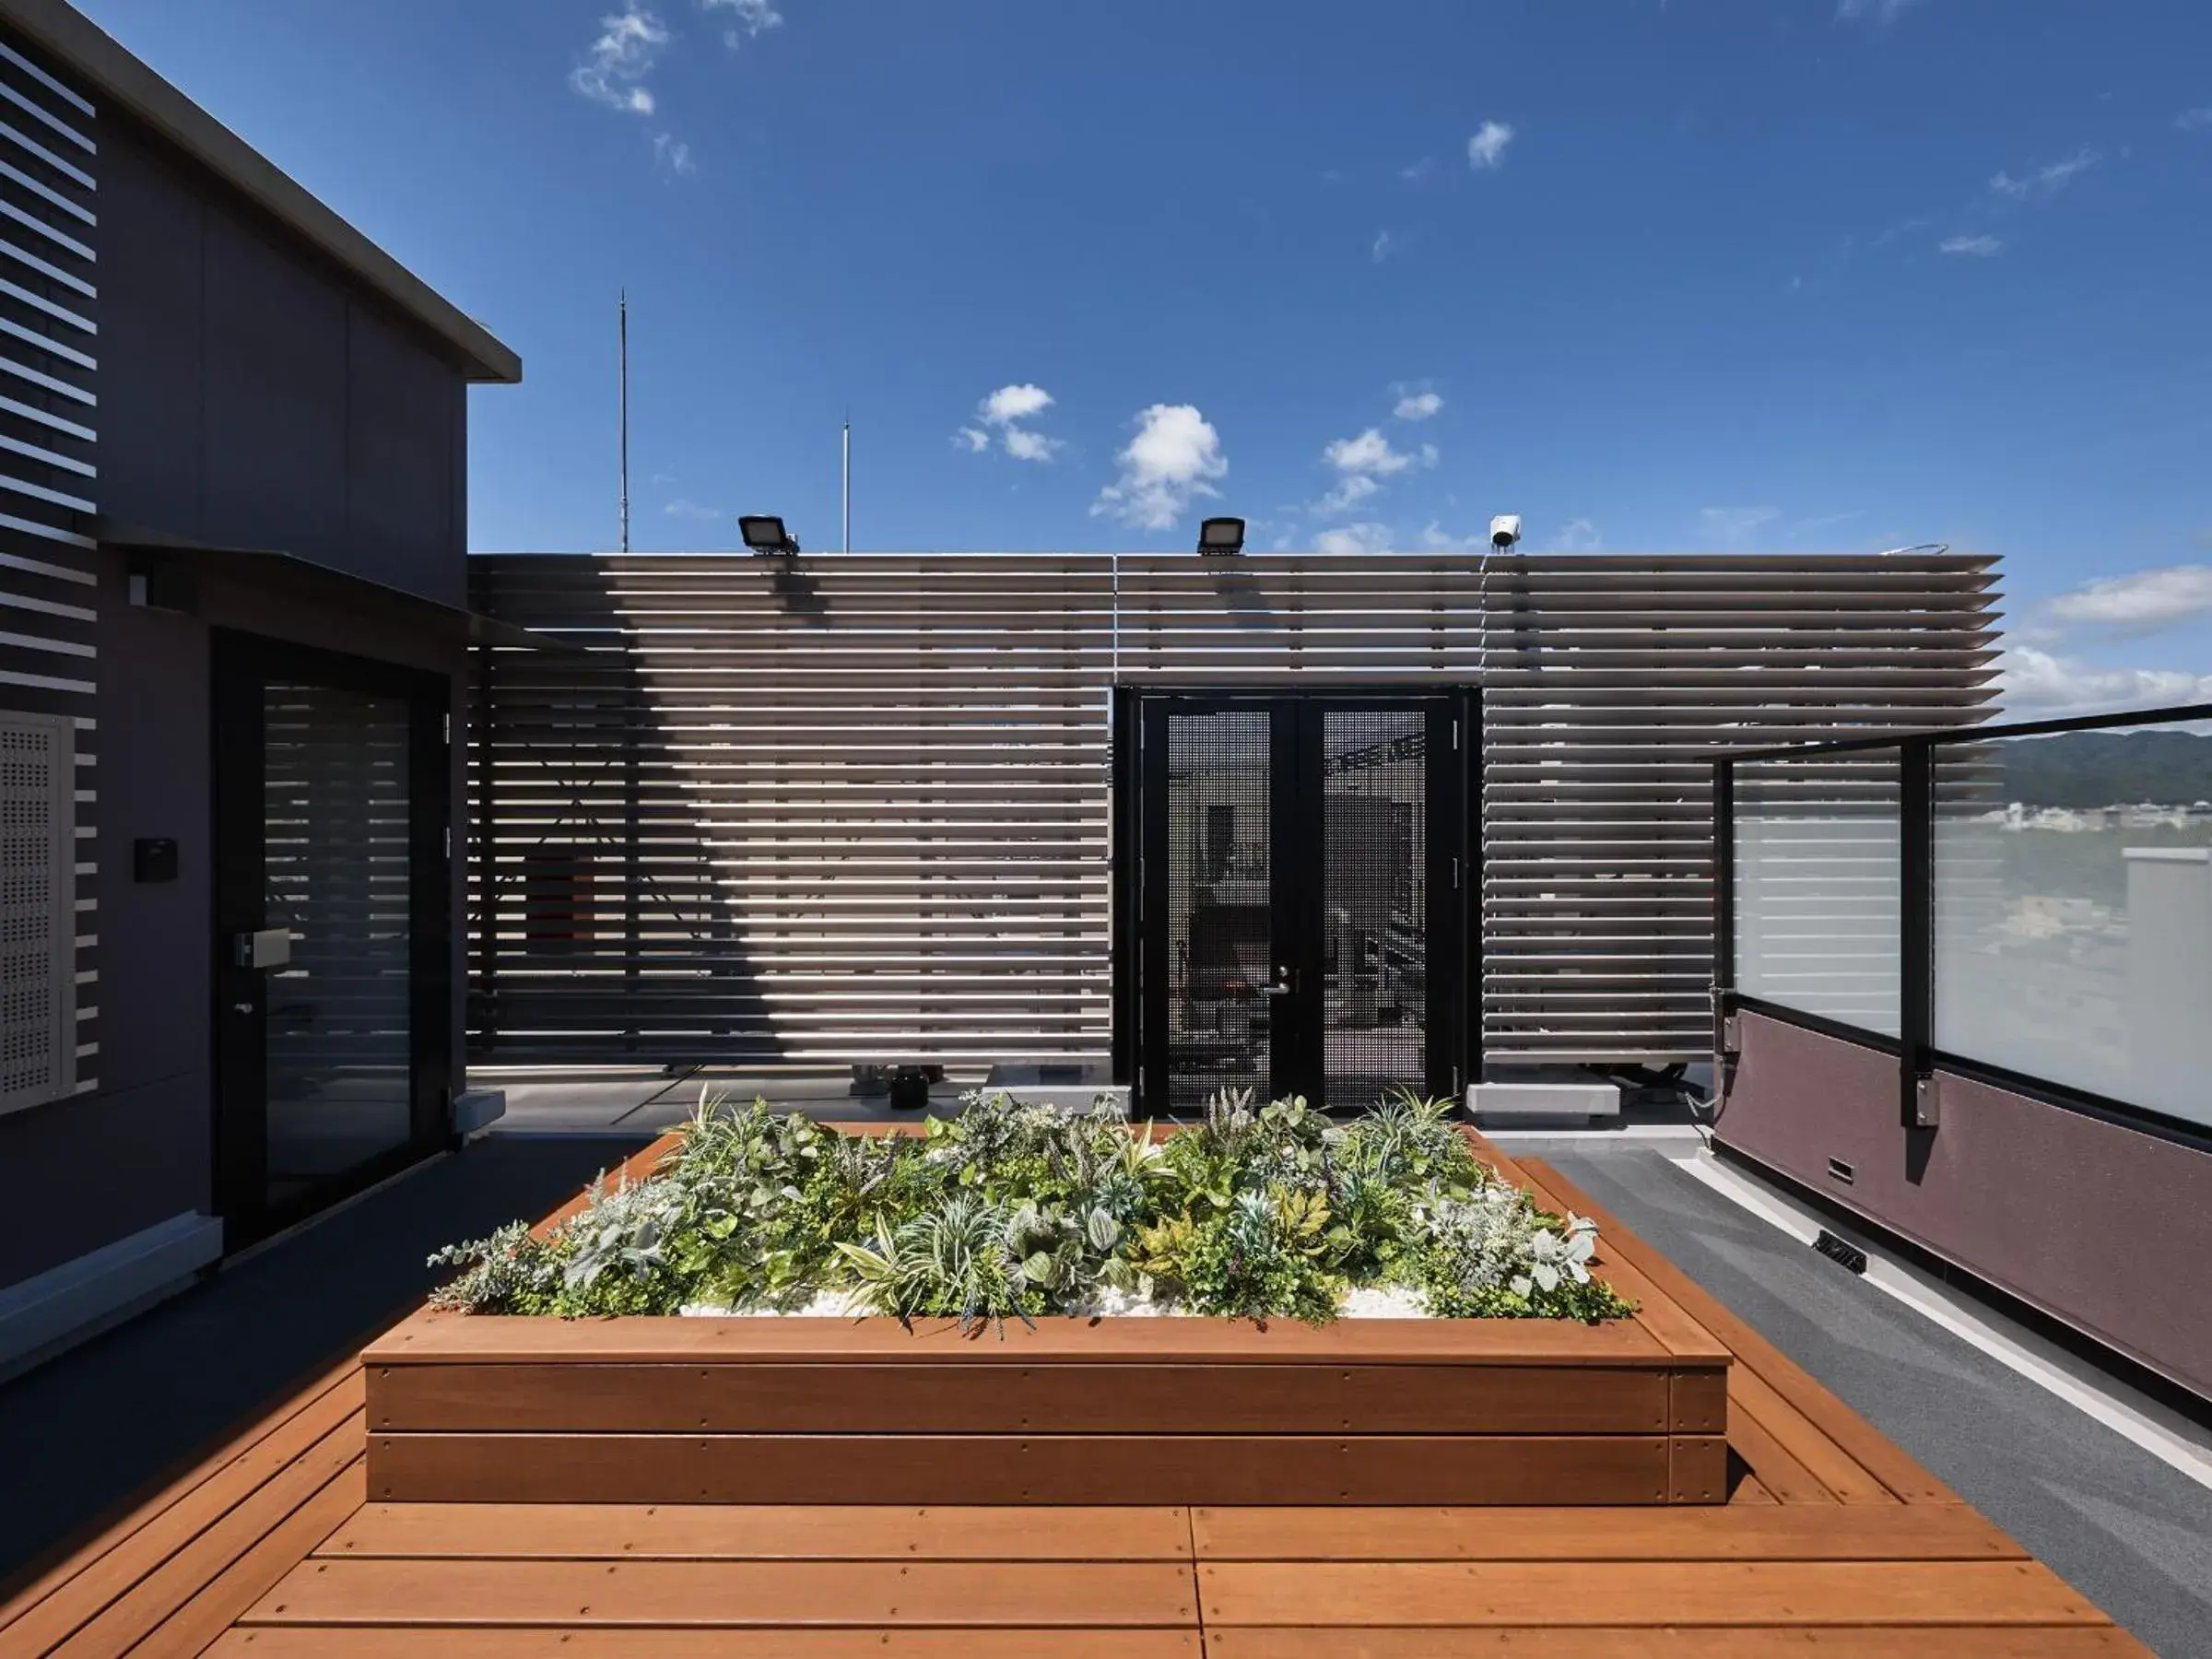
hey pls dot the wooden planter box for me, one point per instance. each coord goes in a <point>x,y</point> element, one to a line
<point>476,1408</point>
<point>467,1408</point>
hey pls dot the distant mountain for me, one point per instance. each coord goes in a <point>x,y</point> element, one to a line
<point>2108,768</point>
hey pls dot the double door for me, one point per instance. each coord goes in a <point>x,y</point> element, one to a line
<point>1294,879</point>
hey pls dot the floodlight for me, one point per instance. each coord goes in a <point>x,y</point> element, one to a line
<point>1221,536</point>
<point>764,533</point>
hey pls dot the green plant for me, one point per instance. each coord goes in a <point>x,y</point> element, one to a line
<point>953,1262</point>
<point>1496,1255</point>
<point>507,1272</point>
<point>1261,1257</point>
<point>1406,1138</point>
<point>1019,1211</point>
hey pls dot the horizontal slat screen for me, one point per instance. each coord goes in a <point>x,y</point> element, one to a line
<point>1611,682</point>
<point>854,807</point>
<point>49,469</point>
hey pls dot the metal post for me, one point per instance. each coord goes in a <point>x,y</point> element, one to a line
<point>479,736</point>
<point>622,353</point>
<point>1916,934</point>
<point>1724,914</point>
<point>847,475</point>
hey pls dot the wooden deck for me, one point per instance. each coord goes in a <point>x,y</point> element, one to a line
<point>1833,1543</point>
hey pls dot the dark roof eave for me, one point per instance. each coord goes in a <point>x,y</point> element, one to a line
<point>122,78</point>
<point>264,564</point>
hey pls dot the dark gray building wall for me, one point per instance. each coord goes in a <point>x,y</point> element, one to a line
<point>2105,1227</point>
<point>142,1141</point>
<point>249,397</point>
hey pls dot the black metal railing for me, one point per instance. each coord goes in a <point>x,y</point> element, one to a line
<point>2029,904</point>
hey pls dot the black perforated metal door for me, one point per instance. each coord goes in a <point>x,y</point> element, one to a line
<point>1294,879</point>
<point>1215,921</point>
<point>1374,903</point>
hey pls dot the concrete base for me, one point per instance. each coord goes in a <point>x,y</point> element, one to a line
<point>476,1109</point>
<point>1543,1100</point>
<point>56,1309</point>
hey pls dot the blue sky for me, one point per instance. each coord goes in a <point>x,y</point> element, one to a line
<point>1654,274</point>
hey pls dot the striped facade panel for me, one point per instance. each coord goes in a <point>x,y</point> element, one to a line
<point>49,419</point>
<point>1610,683</point>
<point>856,808</point>
<point>836,812</point>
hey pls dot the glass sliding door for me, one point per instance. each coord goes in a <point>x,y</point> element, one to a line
<point>332,925</point>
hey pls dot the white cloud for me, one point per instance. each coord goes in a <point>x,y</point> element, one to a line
<point>1974,247</point>
<point>619,62</point>
<point>1363,463</point>
<point>1578,535</point>
<point>1014,403</point>
<point>1348,540</point>
<point>2041,684</point>
<point>2195,121</point>
<point>1487,148</point>
<point>614,66</point>
<point>1877,11</point>
<point>1354,489</point>
<point>749,18</point>
<point>682,509</point>
<point>1370,453</point>
<point>2140,602</point>
<point>1005,409</point>
<point>1175,456</point>
<point>2043,181</point>
<point>1729,525</point>
<point>1417,171</point>
<point>1026,445</point>
<point>1417,406</point>
<point>1385,246</point>
<point>1442,541</point>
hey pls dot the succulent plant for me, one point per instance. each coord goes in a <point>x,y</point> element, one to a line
<point>1012,1210</point>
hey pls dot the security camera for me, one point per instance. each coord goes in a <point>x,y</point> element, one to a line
<point>1505,530</point>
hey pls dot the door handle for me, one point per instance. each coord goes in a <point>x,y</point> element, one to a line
<point>1282,984</point>
<point>267,948</point>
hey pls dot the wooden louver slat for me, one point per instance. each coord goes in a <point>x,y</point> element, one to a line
<point>857,809</point>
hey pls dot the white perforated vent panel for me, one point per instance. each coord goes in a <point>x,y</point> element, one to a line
<point>38,923</point>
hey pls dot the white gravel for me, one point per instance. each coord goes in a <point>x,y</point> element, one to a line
<point>1374,1302</point>
<point>1365,1303</point>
